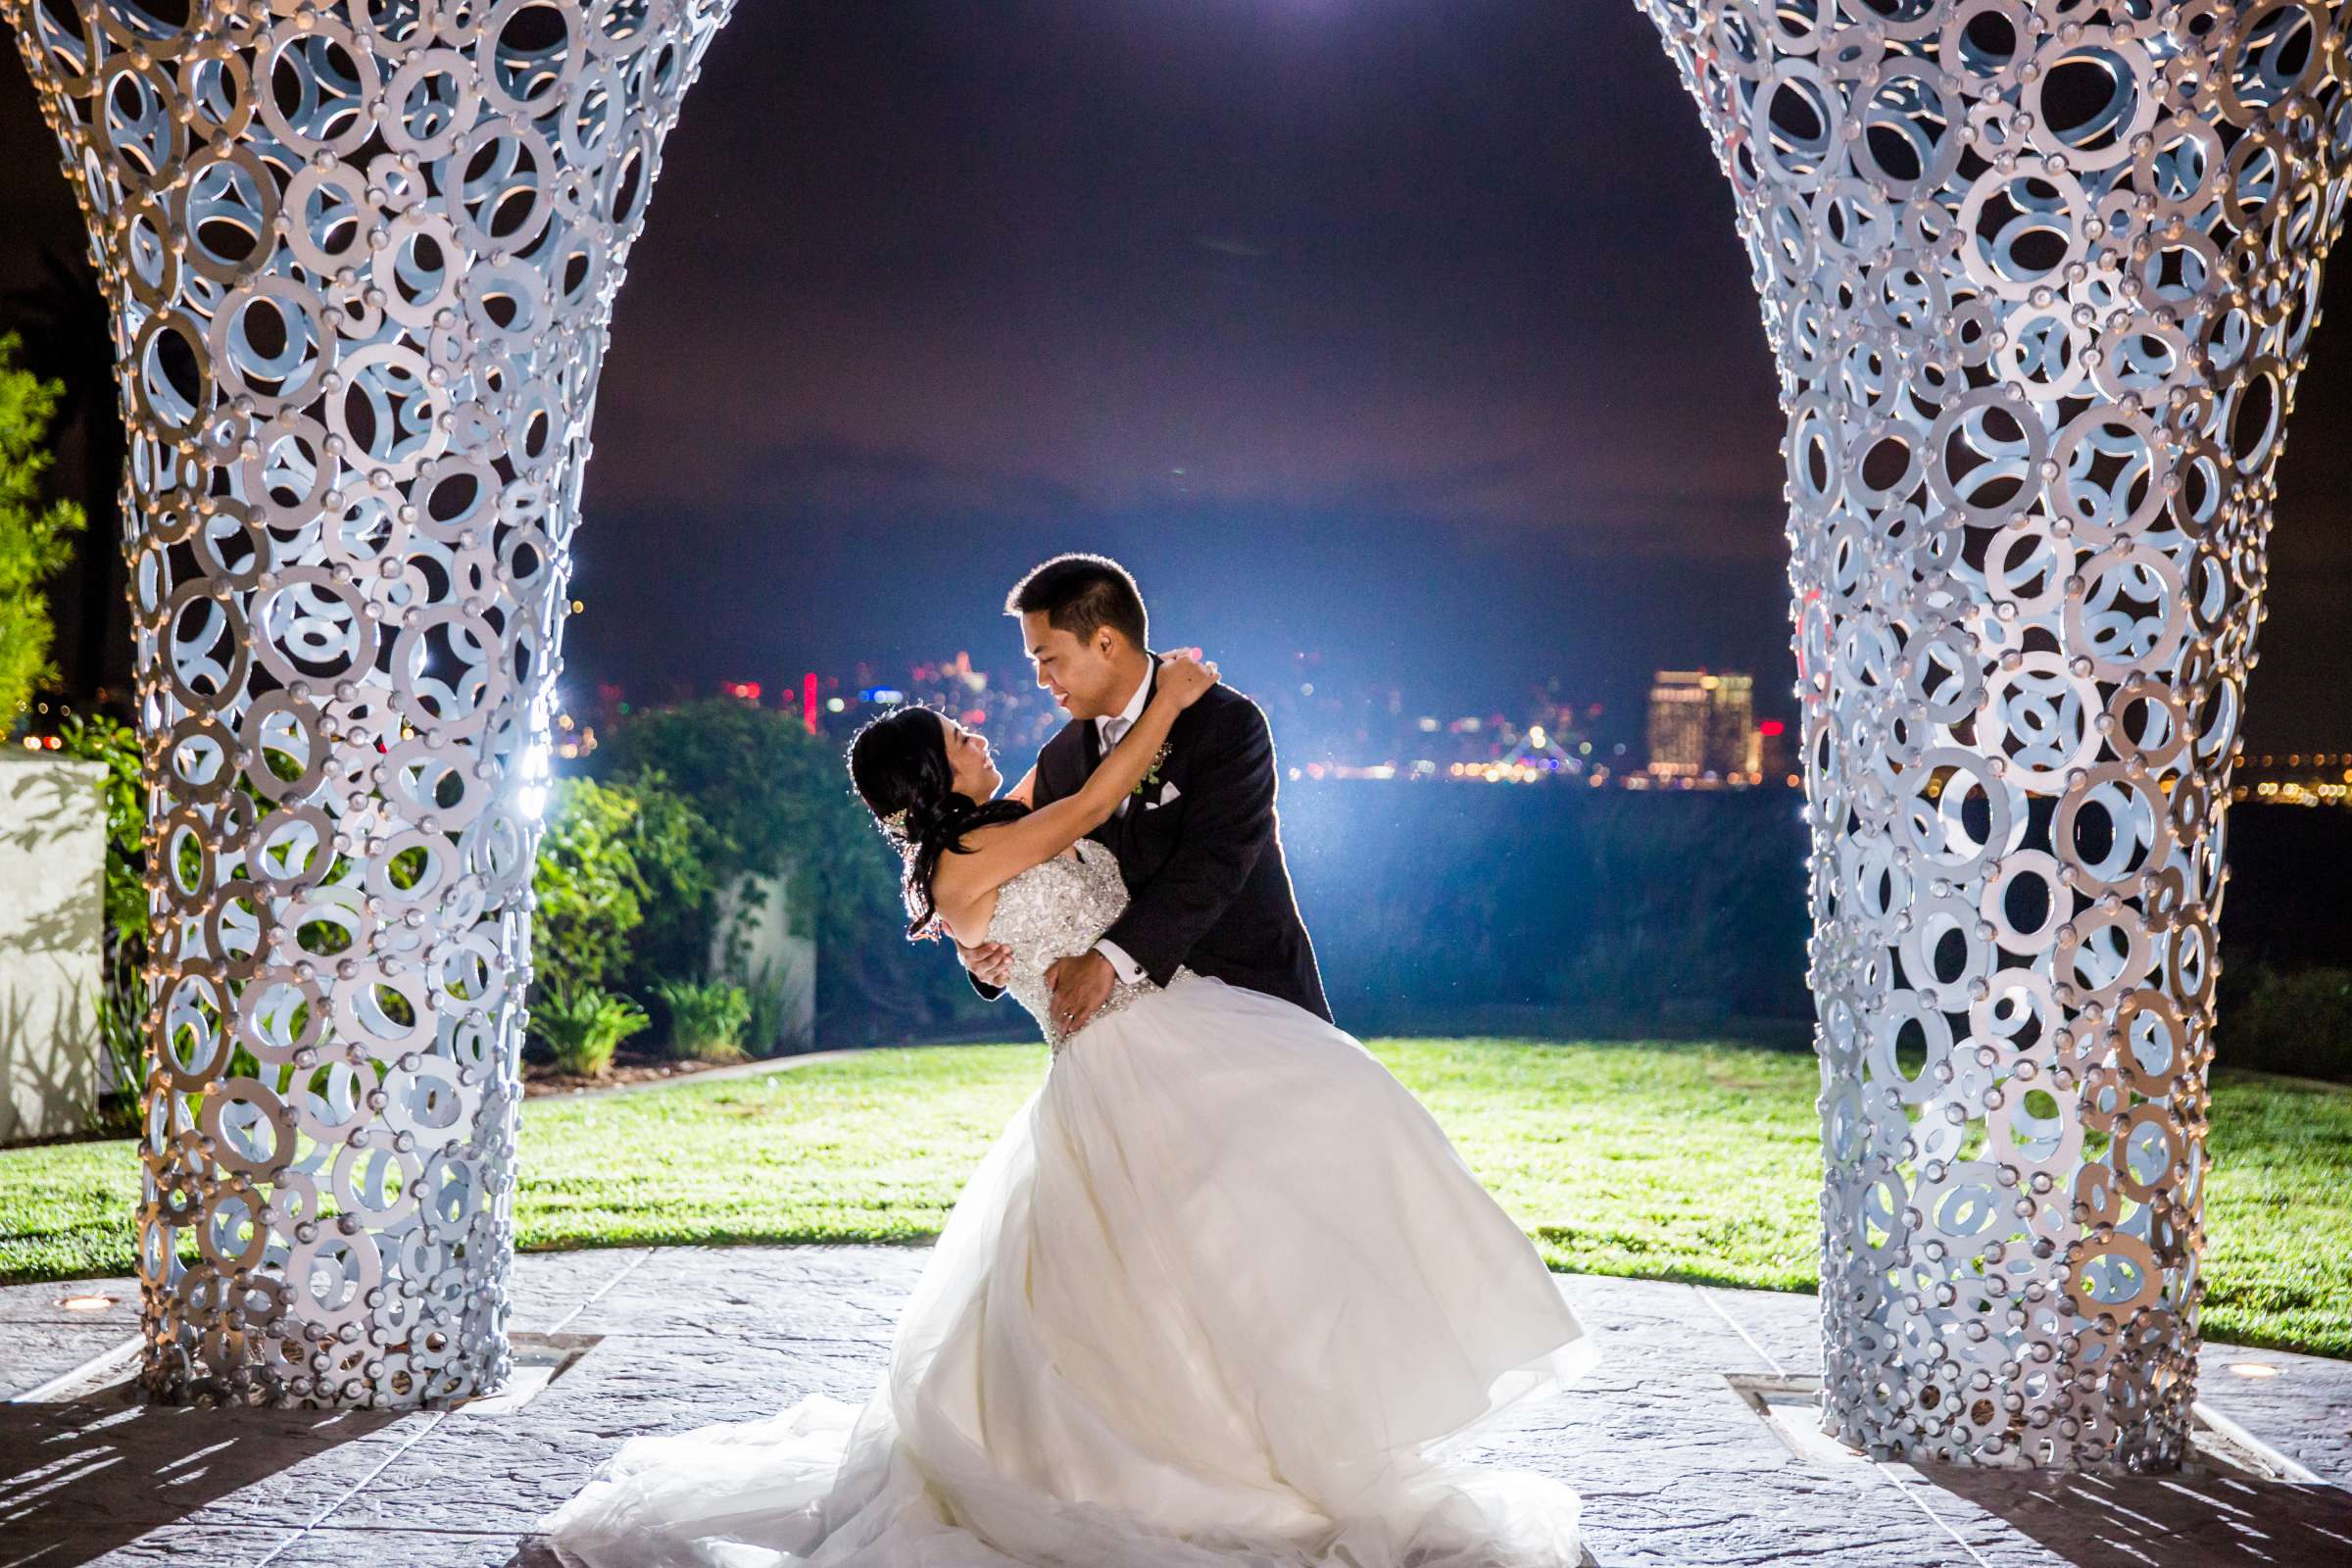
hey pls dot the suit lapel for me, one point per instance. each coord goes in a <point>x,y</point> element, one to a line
<point>1125,822</point>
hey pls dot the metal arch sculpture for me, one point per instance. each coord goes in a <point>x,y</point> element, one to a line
<point>2040,275</point>
<point>360,258</point>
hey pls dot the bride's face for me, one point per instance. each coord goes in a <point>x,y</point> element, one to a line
<point>970,767</point>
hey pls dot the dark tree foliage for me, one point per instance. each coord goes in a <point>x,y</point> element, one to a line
<point>777,801</point>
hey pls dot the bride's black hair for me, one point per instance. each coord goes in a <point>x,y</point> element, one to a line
<point>899,763</point>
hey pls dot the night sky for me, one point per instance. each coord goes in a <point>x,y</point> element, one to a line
<point>1412,333</point>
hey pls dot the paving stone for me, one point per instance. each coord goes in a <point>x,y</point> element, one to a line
<point>2098,1521</point>
<point>102,1465</point>
<point>1730,1517</point>
<point>1675,1466</point>
<point>216,1547</point>
<point>38,1351</point>
<point>208,1545</point>
<point>2305,1412</point>
<point>507,1471</point>
<point>1784,1328</point>
<point>634,1382</point>
<point>38,1304</point>
<point>474,1476</point>
<point>548,1287</point>
<point>375,1547</point>
<point>759,1292</point>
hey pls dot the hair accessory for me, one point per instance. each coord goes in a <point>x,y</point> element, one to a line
<point>896,821</point>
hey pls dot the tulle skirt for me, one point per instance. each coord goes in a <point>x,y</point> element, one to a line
<point>1222,1294</point>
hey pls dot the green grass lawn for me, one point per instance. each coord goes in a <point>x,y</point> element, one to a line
<point>1682,1162</point>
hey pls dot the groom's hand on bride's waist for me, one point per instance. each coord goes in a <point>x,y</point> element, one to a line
<point>1080,985</point>
<point>990,962</point>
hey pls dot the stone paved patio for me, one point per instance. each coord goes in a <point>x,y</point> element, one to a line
<point>1677,1466</point>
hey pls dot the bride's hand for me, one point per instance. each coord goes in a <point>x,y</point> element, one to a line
<point>1184,676</point>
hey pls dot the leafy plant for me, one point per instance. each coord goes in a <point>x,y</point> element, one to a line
<point>676,852</point>
<point>705,1021</point>
<point>32,536</point>
<point>97,738</point>
<point>122,997</point>
<point>121,1034</point>
<point>583,1025</point>
<point>587,884</point>
<point>775,1001</point>
<point>778,802</point>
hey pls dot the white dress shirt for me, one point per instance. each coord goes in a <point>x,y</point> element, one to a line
<point>1110,729</point>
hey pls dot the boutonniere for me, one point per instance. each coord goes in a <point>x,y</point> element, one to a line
<point>1151,774</point>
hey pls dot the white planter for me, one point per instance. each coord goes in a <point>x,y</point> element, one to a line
<point>771,955</point>
<point>52,919</point>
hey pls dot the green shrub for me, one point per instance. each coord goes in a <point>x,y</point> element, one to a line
<point>622,868</point>
<point>2297,1022</point>
<point>583,1025</point>
<point>96,738</point>
<point>774,1000</point>
<point>33,543</point>
<point>587,885</point>
<point>705,1021</point>
<point>777,800</point>
<point>676,852</point>
<point>122,997</point>
<point>122,1034</point>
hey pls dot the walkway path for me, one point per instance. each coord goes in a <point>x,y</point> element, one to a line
<point>1676,1465</point>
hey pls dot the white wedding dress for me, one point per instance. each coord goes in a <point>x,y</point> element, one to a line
<point>1222,1294</point>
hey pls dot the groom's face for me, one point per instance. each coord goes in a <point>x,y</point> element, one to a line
<point>1080,671</point>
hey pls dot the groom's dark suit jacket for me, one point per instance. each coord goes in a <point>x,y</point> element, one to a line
<point>1201,853</point>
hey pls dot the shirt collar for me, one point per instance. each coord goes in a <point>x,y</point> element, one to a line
<point>1135,703</point>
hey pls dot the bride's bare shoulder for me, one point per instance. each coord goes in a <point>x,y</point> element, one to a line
<point>967,923</point>
<point>962,877</point>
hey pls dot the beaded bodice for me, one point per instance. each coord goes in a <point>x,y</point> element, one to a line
<point>1054,911</point>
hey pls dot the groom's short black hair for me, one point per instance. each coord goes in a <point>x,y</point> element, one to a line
<point>1080,593</point>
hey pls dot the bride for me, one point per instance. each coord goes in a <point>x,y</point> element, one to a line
<point>1221,1295</point>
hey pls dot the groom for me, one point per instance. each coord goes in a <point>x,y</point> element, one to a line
<point>1196,844</point>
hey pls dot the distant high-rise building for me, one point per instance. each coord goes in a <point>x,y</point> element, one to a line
<point>1702,725</point>
<point>1776,751</point>
<point>1678,723</point>
<point>1731,742</point>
